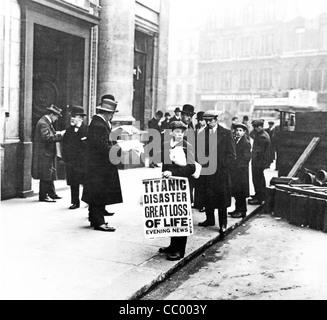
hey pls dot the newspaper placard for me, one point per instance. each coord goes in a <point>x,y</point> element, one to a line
<point>167,208</point>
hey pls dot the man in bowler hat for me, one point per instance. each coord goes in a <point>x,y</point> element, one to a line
<point>102,184</point>
<point>177,116</point>
<point>219,145</point>
<point>45,154</point>
<point>74,153</point>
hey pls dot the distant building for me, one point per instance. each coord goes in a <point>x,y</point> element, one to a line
<point>72,52</point>
<point>251,51</point>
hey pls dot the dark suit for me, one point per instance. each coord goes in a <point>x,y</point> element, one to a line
<point>44,157</point>
<point>102,184</point>
<point>153,124</point>
<point>178,244</point>
<point>74,154</point>
<point>217,186</point>
<point>240,174</point>
<point>260,162</point>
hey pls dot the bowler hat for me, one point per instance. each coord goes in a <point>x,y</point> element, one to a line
<point>177,110</point>
<point>199,115</point>
<point>211,114</point>
<point>108,96</point>
<point>78,111</point>
<point>108,105</point>
<point>177,125</point>
<point>188,109</point>
<point>55,109</point>
<point>257,123</point>
<point>240,125</point>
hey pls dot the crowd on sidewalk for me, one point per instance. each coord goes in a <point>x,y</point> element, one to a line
<point>215,159</point>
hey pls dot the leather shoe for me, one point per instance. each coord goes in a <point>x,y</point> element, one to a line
<point>255,202</point>
<point>238,215</point>
<point>206,224</point>
<point>47,199</point>
<point>165,250</point>
<point>108,214</point>
<point>74,206</point>
<point>56,197</point>
<point>104,228</point>
<point>175,256</point>
<point>231,213</point>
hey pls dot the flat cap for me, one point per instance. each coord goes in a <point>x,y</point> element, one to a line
<point>240,125</point>
<point>211,114</point>
<point>177,125</point>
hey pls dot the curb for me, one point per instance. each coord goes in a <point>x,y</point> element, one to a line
<point>147,288</point>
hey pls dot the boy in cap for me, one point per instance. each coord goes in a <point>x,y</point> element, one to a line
<point>45,154</point>
<point>240,174</point>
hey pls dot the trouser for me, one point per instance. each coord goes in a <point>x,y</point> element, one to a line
<point>47,188</point>
<point>259,182</point>
<point>241,204</point>
<point>75,194</point>
<point>178,244</point>
<point>96,216</point>
<point>222,216</point>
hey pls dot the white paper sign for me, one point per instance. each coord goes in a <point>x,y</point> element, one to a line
<point>167,208</point>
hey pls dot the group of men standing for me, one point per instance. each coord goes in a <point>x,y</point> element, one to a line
<point>232,152</point>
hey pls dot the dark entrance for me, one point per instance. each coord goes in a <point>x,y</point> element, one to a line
<point>58,75</point>
<point>143,77</point>
<point>58,72</point>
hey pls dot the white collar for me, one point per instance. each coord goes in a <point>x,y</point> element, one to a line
<point>48,117</point>
<point>214,129</point>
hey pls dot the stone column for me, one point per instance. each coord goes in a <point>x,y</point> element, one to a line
<point>116,54</point>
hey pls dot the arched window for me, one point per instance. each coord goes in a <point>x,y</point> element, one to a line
<point>322,77</point>
<point>295,77</point>
<point>308,77</point>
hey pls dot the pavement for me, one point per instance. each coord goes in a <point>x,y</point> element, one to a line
<point>48,252</point>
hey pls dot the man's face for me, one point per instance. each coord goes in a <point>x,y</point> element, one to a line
<point>178,114</point>
<point>239,132</point>
<point>202,123</point>
<point>54,117</point>
<point>187,118</point>
<point>76,120</point>
<point>212,123</point>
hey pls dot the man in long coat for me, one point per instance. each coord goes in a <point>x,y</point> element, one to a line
<point>102,184</point>
<point>45,154</point>
<point>74,153</point>
<point>260,161</point>
<point>220,147</point>
<point>240,174</point>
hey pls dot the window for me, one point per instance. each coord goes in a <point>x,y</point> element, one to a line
<point>308,77</point>
<point>248,16</point>
<point>245,79</point>
<point>245,107</point>
<point>246,46</point>
<point>178,93</point>
<point>208,80</point>
<point>266,78</point>
<point>226,80</point>
<point>322,76</point>
<point>296,78</point>
<point>299,39</point>
<point>227,48</point>
<point>267,44</point>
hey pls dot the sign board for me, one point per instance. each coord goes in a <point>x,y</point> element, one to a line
<point>167,208</point>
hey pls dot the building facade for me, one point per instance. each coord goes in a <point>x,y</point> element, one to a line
<point>67,52</point>
<point>256,49</point>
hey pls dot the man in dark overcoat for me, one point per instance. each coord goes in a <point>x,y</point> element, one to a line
<point>74,153</point>
<point>271,131</point>
<point>177,116</point>
<point>240,175</point>
<point>155,124</point>
<point>260,161</point>
<point>102,183</point>
<point>220,147</point>
<point>45,154</point>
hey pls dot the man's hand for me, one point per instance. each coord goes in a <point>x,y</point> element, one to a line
<point>167,174</point>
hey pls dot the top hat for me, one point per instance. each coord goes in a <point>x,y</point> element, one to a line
<point>108,105</point>
<point>177,110</point>
<point>78,111</point>
<point>178,125</point>
<point>240,125</point>
<point>199,115</point>
<point>55,109</point>
<point>211,114</point>
<point>188,109</point>
<point>257,123</point>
